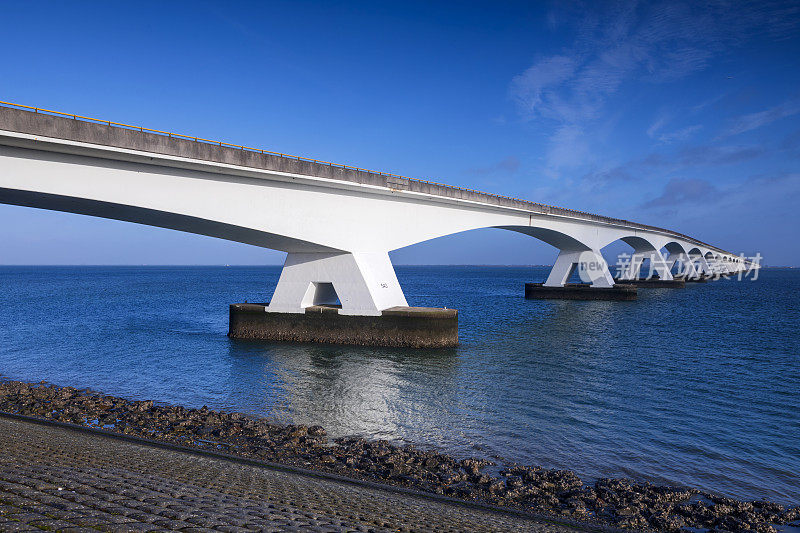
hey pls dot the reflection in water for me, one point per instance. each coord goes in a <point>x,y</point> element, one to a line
<point>694,386</point>
<point>347,390</point>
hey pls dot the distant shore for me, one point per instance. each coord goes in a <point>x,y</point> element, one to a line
<point>615,502</point>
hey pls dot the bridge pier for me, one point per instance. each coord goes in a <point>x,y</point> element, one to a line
<point>343,298</point>
<point>654,283</point>
<point>410,327</point>
<point>363,283</point>
<point>590,264</point>
<point>592,268</point>
<point>658,266</point>
<point>682,261</point>
<point>702,270</point>
<point>688,271</point>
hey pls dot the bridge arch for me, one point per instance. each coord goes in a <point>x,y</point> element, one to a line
<point>646,252</point>
<point>558,239</point>
<point>677,259</point>
<point>575,253</point>
<point>699,261</point>
<point>675,248</point>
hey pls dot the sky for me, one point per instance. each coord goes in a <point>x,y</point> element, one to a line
<point>684,115</point>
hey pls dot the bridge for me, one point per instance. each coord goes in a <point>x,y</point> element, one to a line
<point>337,223</point>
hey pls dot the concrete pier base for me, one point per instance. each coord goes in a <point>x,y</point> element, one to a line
<point>702,279</point>
<point>412,327</point>
<point>580,291</point>
<point>653,283</point>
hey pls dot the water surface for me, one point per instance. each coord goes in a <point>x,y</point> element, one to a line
<point>697,386</point>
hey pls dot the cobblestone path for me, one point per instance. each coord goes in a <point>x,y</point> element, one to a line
<point>60,479</point>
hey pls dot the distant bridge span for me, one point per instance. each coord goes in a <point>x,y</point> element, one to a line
<point>337,223</point>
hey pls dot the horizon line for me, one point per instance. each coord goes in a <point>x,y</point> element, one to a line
<point>224,265</point>
<point>221,265</point>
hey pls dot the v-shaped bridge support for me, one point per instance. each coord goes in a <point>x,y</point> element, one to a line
<point>365,283</point>
<point>591,266</point>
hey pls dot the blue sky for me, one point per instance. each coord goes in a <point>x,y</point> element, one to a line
<point>683,115</point>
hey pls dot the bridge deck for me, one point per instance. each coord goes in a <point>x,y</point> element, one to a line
<point>35,121</point>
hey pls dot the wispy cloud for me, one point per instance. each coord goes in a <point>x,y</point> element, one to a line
<point>680,135</point>
<point>532,89</point>
<point>704,155</point>
<point>757,120</point>
<point>682,191</point>
<point>599,180</point>
<point>568,147</point>
<point>656,126</point>
<point>767,195</point>
<point>618,44</point>
<point>658,42</point>
<point>657,165</point>
<point>707,103</point>
<point>655,131</point>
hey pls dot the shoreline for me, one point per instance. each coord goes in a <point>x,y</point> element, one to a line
<point>549,492</point>
<point>57,476</point>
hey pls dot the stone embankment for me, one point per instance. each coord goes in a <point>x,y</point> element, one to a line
<point>615,502</point>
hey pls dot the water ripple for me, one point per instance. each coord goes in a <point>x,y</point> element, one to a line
<point>695,386</point>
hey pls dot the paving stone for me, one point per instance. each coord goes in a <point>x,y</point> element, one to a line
<point>111,485</point>
<point>50,524</point>
<point>19,526</point>
<point>233,529</point>
<point>171,524</point>
<point>137,526</point>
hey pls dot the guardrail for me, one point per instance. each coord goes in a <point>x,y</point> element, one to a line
<point>536,206</point>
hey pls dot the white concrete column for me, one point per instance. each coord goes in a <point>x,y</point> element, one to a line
<point>671,263</point>
<point>592,268</point>
<point>696,268</point>
<point>701,266</point>
<point>660,266</point>
<point>634,266</point>
<point>365,283</point>
<point>691,269</point>
<point>657,264</point>
<point>562,268</point>
<point>718,267</point>
<point>686,268</point>
<point>712,266</point>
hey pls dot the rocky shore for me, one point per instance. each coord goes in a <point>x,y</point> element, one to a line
<point>616,502</point>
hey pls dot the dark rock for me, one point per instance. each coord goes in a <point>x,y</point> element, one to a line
<point>617,502</point>
<point>317,431</point>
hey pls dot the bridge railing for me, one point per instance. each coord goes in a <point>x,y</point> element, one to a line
<point>536,207</point>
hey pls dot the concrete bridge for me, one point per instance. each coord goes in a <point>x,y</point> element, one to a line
<point>337,223</point>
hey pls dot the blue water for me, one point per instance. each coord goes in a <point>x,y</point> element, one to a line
<point>699,386</point>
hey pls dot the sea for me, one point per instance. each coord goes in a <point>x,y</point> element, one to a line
<point>695,387</point>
